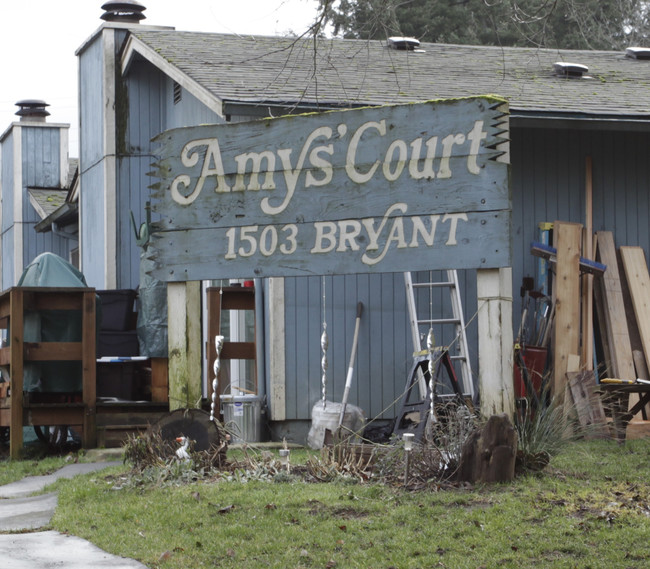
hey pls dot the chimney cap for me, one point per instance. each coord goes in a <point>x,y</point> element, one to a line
<point>124,11</point>
<point>33,109</point>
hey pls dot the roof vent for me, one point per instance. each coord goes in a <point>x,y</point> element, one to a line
<point>128,11</point>
<point>571,70</point>
<point>32,110</point>
<point>403,44</point>
<point>637,52</point>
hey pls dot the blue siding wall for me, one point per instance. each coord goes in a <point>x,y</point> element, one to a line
<point>548,184</point>
<point>151,110</point>
<point>91,126</point>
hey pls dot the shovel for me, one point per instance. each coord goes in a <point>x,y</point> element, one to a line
<point>348,379</point>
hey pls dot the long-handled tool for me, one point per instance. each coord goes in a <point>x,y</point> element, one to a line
<point>348,379</point>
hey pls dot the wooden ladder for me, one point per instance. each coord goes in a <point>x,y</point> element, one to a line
<point>460,350</point>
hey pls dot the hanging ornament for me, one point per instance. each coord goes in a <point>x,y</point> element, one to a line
<point>431,344</point>
<point>218,344</point>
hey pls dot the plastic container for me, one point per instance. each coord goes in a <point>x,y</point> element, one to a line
<point>118,344</point>
<point>117,309</point>
<point>242,416</point>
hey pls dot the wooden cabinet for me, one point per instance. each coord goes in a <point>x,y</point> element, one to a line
<point>20,408</point>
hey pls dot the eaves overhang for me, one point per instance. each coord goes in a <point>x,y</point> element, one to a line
<point>520,118</point>
<point>67,214</point>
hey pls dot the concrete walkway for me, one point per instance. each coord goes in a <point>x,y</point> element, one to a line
<point>20,511</point>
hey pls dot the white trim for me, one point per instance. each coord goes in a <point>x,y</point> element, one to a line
<point>110,189</point>
<point>64,144</point>
<point>134,45</point>
<point>277,367</point>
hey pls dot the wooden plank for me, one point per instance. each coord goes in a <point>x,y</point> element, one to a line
<point>16,370</point>
<point>588,405</point>
<point>89,369</point>
<point>638,280</point>
<point>587,324</point>
<point>619,348</point>
<point>566,338</point>
<point>159,380</point>
<point>53,351</point>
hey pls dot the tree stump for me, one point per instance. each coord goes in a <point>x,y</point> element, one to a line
<point>489,453</point>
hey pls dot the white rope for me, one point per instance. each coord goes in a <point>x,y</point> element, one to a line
<point>324,344</point>
<point>218,344</point>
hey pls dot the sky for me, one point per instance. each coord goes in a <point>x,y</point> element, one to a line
<point>38,40</point>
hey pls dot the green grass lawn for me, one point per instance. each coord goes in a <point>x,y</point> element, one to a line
<point>589,509</point>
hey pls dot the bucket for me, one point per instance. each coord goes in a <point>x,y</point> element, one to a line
<point>242,416</point>
<point>535,361</point>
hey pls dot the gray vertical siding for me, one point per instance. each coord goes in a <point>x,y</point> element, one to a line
<point>548,184</point>
<point>7,174</point>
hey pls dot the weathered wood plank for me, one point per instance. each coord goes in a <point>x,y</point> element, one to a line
<point>393,244</point>
<point>638,280</point>
<point>184,339</point>
<point>440,155</point>
<point>621,363</point>
<point>566,339</point>
<point>344,192</point>
<point>588,405</point>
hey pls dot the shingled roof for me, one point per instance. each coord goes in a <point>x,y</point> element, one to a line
<point>335,72</point>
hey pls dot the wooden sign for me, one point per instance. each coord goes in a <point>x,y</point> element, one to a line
<point>381,189</point>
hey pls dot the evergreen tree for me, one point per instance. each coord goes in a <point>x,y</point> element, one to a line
<point>565,24</point>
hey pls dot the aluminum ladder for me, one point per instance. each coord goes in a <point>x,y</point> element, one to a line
<point>459,346</point>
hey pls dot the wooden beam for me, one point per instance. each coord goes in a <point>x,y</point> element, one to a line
<point>566,338</point>
<point>495,349</point>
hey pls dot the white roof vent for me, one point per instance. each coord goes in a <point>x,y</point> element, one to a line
<point>572,70</point>
<point>32,110</point>
<point>128,11</point>
<point>404,44</point>
<point>637,52</point>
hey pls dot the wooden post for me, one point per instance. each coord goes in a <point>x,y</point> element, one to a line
<point>16,365</point>
<point>277,399</point>
<point>184,341</point>
<point>89,370</point>
<point>566,340</point>
<point>495,337</point>
<point>587,324</point>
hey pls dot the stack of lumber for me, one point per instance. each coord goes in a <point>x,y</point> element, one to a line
<point>612,306</point>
